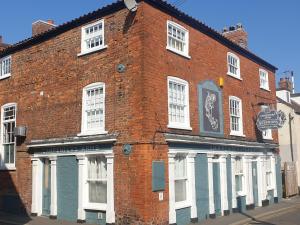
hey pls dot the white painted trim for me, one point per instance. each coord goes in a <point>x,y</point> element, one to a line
<point>82,167</point>
<point>53,204</point>
<point>210,184</point>
<point>70,143</point>
<point>99,152</point>
<point>273,164</point>
<point>234,200</point>
<point>223,179</point>
<point>186,125</point>
<point>267,79</point>
<point>192,183</point>
<point>172,210</point>
<point>7,74</point>
<point>110,210</point>
<point>259,181</point>
<point>241,127</point>
<point>238,75</point>
<point>37,186</point>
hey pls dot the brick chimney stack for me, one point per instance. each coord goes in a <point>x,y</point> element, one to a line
<point>237,34</point>
<point>286,84</point>
<point>41,26</point>
<point>2,45</point>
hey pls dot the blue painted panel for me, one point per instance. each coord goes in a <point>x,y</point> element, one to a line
<point>255,184</point>
<point>95,217</point>
<point>229,182</point>
<point>201,180</point>
<point>210,101</point>
<point>241,203</point>
<point>158,176</point>
<point>279,178</point>
<point>217,188</point>
<point>183,216</point>
<point>67,188</point>
<point>46,187</point>
<point>270,196</point>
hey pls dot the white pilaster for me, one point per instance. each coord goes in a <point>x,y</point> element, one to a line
<point>37,181</point>
<point>234,201</point>
<point>250,181</point>
<point>53,205</point>
<point>274,182</point>
<point>110,212</point>
<point>172,210</point>
<point>82,164</point>
<point>192,183</point>
<point>211,185</point>
<point>259,180</point>
<point>223,178</point>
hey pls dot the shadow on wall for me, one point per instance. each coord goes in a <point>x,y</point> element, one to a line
<point>10,200</point>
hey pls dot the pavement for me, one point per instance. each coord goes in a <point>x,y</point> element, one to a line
<point>287,212</point>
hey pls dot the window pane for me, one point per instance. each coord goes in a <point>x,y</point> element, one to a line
<point>180,190</point>
<point>97,191</point>
<point>177,38</point>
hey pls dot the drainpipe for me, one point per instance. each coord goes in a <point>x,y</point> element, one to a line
<point>291,136</point>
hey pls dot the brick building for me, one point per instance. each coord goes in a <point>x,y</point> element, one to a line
<point>144,117</point>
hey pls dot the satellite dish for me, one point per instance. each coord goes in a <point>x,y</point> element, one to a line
<point>131,5</point>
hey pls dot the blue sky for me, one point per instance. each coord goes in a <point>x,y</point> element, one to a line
<point>272,25</point>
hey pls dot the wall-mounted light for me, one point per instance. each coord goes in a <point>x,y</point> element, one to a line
<point>221,82</point>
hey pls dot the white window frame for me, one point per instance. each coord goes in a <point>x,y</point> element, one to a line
<point>266,134</point>
<point>84,49</point>
<point>264,81</point>
<point>84,129</point>
<point>185,52</point>
<point>3,165</point>
<point>92,205</point>
<point>186,124</point>
<point>241,127</point>
<point>238,66</point>
<point>269,173</point>
<point>2,61</point>
<point>242,175</point>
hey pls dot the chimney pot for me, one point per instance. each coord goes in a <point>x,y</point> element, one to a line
<point>50,21</point>
<point>238,35</point>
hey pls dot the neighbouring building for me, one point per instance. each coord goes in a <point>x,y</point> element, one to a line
<point>145,117</point>
<point>289,136</point>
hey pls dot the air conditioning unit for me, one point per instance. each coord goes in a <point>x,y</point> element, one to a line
<point>20,131</point>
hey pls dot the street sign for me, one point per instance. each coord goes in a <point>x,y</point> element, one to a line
<point>270,119</point>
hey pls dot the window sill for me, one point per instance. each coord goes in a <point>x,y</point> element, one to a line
<point>180,127</point>
<point>5,76</point>
<point>270,188</point>
<point>268,138</point>
<point>96,207</point>
<point>237,134</point>
<point>92,51</point>
<point>240,194</point>
<point>234,76</point>
<point>91,133</point>
<point>178,52</point>
<point>181,205</point>
<point>8,168</point>
<point>265,89</point>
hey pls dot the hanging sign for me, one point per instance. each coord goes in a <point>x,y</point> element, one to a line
<point>270,119</point>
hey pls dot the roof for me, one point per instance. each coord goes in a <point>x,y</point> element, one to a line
<point>293,105</point>
<point>116,6</point>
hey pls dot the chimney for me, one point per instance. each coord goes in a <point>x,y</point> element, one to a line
<point>286,84</point>
<point>41,26</point>
<point>2,45</point>
<point>237,34</point>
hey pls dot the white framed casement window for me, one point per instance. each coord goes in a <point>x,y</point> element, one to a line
<point>266,134</point>
<point>239,176</point>
<point>178,103</point>
<point>236,116</point>
<point>93,109</point>
<point>177,39</point>
<point>233,65</point>
<point>5,67</point>
<point>8,141</point>
<point>268,167</point>
<point>96,182</point>
<point>264,79</point>
<point>181,181</point>
<point>92,37</point>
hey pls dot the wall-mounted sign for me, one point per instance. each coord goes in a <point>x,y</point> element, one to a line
<point>210,109</point>
<point>270,119</point>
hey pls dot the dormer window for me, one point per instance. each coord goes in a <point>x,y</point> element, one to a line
<point>5,67</point>
<point>92,37</point>
<point>233,65</point>
<point>178,39</point>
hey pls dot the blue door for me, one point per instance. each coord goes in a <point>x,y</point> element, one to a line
<point>254,180</point>
<point>46,187</point>
<point>217,189</point>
